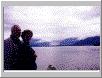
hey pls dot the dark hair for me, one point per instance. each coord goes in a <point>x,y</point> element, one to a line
<point>15,27</point>
<point>27,33</point>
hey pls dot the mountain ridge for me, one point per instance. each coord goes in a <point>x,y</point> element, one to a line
<point>89,41</point>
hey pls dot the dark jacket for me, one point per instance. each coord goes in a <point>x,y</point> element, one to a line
<point>27,58</point>
<point>11,50</point>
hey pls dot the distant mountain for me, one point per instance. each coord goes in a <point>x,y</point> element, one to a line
<point>36,43</point>
<point>91,41</point>
<point>41,44</point>
<point>68,41</point>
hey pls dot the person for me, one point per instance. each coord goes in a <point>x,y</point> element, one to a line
<point>11,48</point>
<point>28,56</point>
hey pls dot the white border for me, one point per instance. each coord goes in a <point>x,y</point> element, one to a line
<point>51,0</point>
<point>51,71</point>
<point>44,71</point>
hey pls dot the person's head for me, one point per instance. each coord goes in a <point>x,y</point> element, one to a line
<point>16,31</point>
<point>27,35</point>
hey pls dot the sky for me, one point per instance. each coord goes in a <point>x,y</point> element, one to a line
<point>50,23</point>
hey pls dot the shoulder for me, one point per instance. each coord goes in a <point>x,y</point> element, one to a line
<point>7,41</point>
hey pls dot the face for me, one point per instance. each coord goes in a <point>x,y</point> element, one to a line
<point>27,37</point>
<point>16,32</point>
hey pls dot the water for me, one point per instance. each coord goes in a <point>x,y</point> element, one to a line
<point>68,57</point>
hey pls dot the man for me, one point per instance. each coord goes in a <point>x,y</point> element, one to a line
<point>11,48</point>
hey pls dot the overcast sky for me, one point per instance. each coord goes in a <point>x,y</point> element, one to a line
<point>54,22</point>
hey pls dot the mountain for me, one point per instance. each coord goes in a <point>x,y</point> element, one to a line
<point>90,41</point>
<point>68,41</point>
<point>41,44</point>
<point>37,43</point>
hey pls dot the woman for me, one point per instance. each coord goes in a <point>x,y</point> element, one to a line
<point>28,56</point>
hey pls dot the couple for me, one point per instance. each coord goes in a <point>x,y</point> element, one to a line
<point>18,55</point>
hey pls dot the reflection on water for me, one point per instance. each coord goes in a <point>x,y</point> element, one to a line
<point>68,57</point>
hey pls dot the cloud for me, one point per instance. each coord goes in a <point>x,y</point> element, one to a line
<point>54,22</point>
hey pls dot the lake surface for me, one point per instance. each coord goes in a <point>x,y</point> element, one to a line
<point>68,57</point>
